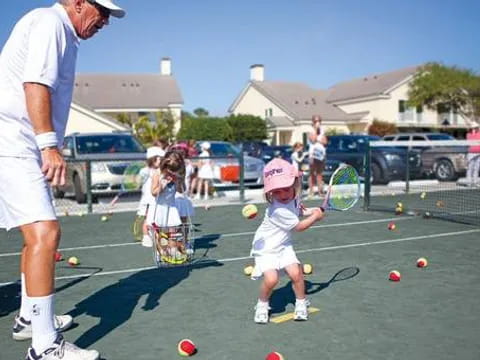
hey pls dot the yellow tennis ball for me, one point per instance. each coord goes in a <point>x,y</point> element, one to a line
<point>104,218</point>
<point>73,261</point>
<point>307,269</point>
<point>248,270</point>
<point>423,195</point>
<point>249,211</point>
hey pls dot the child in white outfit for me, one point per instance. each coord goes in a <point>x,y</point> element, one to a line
<point>205,172</point>
<point>154,155</point>
<point>272,246</point>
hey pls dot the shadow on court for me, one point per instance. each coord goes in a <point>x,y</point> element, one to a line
<point>114,304</point>
<point>284,296</point>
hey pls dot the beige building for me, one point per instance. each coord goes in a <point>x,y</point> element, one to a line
<point>347,107</point>
<point>83,120</point>
<point>135,94</point>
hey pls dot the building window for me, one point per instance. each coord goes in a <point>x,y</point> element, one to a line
<point>419,109</point>
<point>401,106</point>
<point>270,111</point>
<point>266,113</point>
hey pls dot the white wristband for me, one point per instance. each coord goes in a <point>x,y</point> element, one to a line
<point>48,139</point>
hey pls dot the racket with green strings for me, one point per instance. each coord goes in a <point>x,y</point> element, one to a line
<point>344,189</point>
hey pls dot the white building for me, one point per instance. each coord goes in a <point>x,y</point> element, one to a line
<point>347,107</point>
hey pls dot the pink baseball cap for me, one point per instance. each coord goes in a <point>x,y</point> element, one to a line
<point>278,174</point>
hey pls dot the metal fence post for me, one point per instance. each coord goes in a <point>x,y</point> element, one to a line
<point>88,166</point>
<point>407,170</point>
<point>367,176</point>
<point>241,180</point>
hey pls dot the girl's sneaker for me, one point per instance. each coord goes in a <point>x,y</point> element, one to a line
<point>301,310</point>
<point>61,349</point>
<point>261,313</point>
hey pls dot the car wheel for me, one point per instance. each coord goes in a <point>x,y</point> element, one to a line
<point>80,196</point>
<point>57,193</point>
<point>444,170</point>
<point>376,175</point>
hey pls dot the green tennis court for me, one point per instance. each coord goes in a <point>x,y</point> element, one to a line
<point>128,309</point>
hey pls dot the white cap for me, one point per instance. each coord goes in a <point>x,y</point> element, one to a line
<point>205,145</point>
<point>155,151</point>
<point>115,10</point>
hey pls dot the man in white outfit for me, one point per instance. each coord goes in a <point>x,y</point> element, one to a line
<point>37,70</point>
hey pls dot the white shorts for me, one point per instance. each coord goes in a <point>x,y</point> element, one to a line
<point>25,195</point>
<point>278,261</point>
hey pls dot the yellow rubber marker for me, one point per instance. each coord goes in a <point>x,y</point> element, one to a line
<point>289,316</point>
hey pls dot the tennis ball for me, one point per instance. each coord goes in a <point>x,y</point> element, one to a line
<point>427,215</point>
<point>394,275</point>
<point>423,195</point>
<point>58,256</point>
<point>399,205</point>
<point>422,262</point>
<point>391,226</point>
<point>398,210</point>
<point>307,269</point>
<point>104,218</point>
<point>248,270</point>
<point>186,347</point>
<point>73,261</point>
<point>274,356</point>
<point>249,211</point>
<point>440,204</point>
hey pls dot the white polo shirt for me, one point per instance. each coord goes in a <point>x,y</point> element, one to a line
<point>275,232</point>
<point>42,48</point>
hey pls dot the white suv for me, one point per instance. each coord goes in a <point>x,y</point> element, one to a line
<point>447,163</point>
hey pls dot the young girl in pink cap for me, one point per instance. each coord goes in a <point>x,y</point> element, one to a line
<point>272,246</point>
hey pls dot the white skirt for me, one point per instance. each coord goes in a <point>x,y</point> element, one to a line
<point>277,261</point>
<point>184,205</point>
<point>25,195</point>
<point>163,215</point>
<point>206,172</point>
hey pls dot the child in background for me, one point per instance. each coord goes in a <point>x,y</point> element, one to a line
<point>298,155</point>
<point>272,246</point>
<point>154,155</point>
<point>317,156</point>
<point>164,214</point>
<point>205,172</point>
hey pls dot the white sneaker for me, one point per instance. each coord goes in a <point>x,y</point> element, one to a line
<point>22,329</point>
<point>147,241</point>
<point>197,197</point>
<point>261,314</point>
<point>63,350</point>
<point>301,311</point>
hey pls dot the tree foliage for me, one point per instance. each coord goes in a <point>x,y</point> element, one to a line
<point>205,128</point>
<point>148,131</point>
<point>247,127</point>
<point>449,87</point>
<point>381,128</point>
<point>201,112</point>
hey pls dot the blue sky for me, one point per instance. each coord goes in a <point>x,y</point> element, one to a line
<point>212,43</point>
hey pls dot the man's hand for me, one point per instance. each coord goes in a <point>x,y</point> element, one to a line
<point>54,166</point>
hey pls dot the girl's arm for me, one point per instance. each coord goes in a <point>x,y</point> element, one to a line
<point>158,183</point>
<point>316,214</point>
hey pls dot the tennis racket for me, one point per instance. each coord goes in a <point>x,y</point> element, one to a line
<point>132,181</point>
<point>343,189</point>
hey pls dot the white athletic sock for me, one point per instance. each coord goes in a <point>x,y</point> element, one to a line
<point>25,308</point>
<point>43,327</point>
<point>261,303</point>
<point>300,301</point>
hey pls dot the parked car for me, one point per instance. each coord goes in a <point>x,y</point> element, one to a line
<point>387,163</point>
<point>226,168</point>
<point>252,148</point>
<point>112,152</point>
<point>446,163</point>
<point>330,166</point>
<point>281,151</point>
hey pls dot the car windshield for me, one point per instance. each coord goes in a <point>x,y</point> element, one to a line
<point>440,137</point>
<point>105,144</point>
<point>223,149</point>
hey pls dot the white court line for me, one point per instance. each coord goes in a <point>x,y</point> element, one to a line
<point>327,248</point>
<point>222,235</point>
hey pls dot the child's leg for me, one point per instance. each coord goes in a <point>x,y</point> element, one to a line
<point>298,281</point>
<point>270,280</point>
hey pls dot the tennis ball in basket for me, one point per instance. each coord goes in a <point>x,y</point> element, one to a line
<point>248,270</point>
<point>104,218</point>
<point>307,269</point>
<point>274,356</point>
<point>394,275</point>
<point>391,226</point>
<point>422,262</point>
<point>186,347</point>
<point>58,256</point>
<point>73,261</point>
<point>249,211</point>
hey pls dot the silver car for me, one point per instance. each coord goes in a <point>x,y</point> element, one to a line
<point>110,155</point>
<point>228,155</point>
